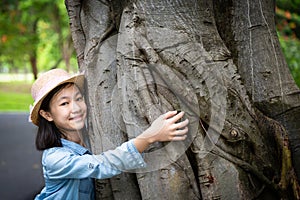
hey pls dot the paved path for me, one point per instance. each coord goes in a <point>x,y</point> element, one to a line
<point>20,168</point>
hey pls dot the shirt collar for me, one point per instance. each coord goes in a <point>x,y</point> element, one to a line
<point>77,148</point>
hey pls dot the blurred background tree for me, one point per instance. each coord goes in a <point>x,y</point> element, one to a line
<point>35,36</point>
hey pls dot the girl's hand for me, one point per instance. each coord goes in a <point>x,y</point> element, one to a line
<point>163,129</point>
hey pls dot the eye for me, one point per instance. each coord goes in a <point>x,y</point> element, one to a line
<point>79,98</point>
<point>64,103</point>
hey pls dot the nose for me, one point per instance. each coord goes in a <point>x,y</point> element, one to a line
<point>75,107</point>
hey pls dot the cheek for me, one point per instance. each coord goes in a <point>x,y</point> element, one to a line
<point>85,111</point>
<point>83,106</point>
<point>59,114</point>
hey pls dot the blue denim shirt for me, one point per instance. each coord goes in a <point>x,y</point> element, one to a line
<point>69,170</point>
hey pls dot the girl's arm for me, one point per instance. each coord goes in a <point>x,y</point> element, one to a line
<point>163,129</point>
<point>63,163</point>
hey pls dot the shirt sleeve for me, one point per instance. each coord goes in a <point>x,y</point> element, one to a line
<point>60,163</point>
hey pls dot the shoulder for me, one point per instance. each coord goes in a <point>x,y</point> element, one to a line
<point>56,154</point>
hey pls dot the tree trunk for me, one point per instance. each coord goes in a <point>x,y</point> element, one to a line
<point>261,64</point>
<point>33,63</point>
<point>33,53</point>
<point>221,63</point>
<point>64,44</point>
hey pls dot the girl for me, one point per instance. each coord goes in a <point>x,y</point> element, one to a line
<point>59,111</point>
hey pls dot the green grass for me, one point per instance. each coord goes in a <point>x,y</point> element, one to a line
<point>15,96</point>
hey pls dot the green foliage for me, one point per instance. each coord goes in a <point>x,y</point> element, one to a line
<point>290,5</point>
<point>288,27</point>
<point>291,49</point>
<point>33,27</point>
<point>18,37</point>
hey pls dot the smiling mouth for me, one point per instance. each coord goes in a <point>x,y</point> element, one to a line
<point>76,118</point>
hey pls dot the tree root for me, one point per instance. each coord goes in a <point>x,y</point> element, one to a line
<point>288,176</point>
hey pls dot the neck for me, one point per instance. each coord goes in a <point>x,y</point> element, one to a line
<point>74,137</point>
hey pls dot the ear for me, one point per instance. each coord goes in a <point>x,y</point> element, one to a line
<point>46,115</point>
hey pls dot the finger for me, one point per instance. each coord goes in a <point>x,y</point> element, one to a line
<point>180,132</point>
<point>182,124</point>
<point>177,117</point>
<point>170,114</point>
<point>179,138</point>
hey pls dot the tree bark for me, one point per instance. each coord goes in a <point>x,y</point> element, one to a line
<point>216,60</point>
<point>261,64</point>
<point>33,53</point>
<point>33,63</point>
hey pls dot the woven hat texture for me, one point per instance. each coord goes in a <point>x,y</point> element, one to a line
<point>46,83</point>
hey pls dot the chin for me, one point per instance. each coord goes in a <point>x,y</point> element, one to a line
<point>78,125</point>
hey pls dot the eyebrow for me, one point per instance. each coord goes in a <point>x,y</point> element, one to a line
<point>66,97</point>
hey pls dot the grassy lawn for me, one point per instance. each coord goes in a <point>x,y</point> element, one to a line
<point>15,96</point>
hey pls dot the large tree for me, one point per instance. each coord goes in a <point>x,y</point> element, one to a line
<point>218,60</point>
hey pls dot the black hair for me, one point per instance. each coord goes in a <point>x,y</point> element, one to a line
<point>48,135</point>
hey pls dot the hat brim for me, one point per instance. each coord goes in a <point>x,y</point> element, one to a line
<point>78,80</point>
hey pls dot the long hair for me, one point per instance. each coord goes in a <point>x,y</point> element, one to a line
<point>48,135</point>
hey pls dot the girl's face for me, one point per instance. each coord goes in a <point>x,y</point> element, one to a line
<point>67,110</point>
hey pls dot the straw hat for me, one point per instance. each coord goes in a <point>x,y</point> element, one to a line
<point>47,82</point>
